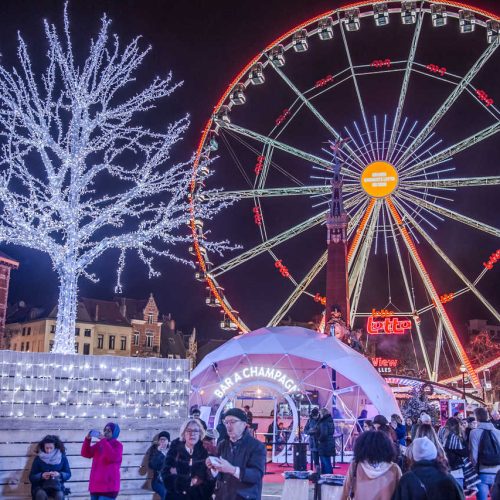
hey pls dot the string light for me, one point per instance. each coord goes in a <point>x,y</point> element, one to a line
<point>44,385</point>
<point>74,124</point>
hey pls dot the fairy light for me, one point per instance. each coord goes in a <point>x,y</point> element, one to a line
<point>43,385</point>
<point>79,134</point>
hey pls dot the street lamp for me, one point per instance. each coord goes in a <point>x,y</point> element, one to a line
<point>463,369</point>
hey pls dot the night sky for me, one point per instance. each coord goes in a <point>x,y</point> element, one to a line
<point>206,44</point>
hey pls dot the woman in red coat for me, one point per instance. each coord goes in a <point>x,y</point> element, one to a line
<point>106,457</point>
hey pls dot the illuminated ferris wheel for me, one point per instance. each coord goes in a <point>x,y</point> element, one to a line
<point>406,89</point>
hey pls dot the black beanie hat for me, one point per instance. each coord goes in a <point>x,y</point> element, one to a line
<point>237,413</point>
<point>164,434</point>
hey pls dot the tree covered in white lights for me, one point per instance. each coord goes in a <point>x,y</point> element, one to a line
<point>80,173</point>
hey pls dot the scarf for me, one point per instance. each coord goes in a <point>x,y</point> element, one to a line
<point>52,458</point>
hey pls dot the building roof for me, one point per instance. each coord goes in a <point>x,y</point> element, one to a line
<point>102,311</point>
<point>133,308</point>
<point>21,312</point>
<point>6,259</point>
<point>172,341</point>
<point>208,347</point>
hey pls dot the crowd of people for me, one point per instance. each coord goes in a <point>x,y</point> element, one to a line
<point>200,464</point>
<point>411,461</point>
<point>392,459</point>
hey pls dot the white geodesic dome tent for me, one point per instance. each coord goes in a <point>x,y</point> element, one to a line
<point>292,360</point>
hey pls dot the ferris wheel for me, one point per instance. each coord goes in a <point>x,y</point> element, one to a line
<point>401,95</point>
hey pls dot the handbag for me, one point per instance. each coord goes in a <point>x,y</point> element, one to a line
<point>53,483</point>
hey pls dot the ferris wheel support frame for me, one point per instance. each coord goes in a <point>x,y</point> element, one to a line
<point>434,295</point>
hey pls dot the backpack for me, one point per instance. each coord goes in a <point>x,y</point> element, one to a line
<point>489,449</point>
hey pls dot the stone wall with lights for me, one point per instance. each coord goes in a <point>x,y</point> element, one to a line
<point>66,386</point>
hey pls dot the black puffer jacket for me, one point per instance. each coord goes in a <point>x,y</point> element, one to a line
<point>425,481</point>
<point>326,441</point>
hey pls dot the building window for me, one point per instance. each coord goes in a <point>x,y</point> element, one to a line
<point>24,331</point>
<point>123,343</point>
<point>77,332</point>
<point>51,345</point>
<point>22,346</point>
<point>87,332</point>
<point>149,339</point>
<point>52,328</point>
<point>86,348</point>
<point>150,318</point>
<point>27,346</point>
<point>136,338</point>
<point>29,331</point>
<point>76,347</point>
<point>111,341</point>
<point>100,342</point>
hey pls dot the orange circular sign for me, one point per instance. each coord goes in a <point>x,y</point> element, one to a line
<point>379,179</point>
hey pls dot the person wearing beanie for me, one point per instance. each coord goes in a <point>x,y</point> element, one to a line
<point>240,463</point>
<point>428,477</point>
<point>372,473</point>
<point>106,455</point>
<point>156,462</point>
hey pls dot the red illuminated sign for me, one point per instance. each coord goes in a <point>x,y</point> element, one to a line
<point>384,365</point>
<point>387,326</point>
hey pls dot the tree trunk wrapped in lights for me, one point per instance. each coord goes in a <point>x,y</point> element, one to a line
<point>69,134</point>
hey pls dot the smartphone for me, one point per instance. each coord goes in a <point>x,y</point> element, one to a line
<point>214,461</point>
<point>94,433</point>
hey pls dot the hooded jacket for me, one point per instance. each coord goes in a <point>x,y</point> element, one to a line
<point>106,457</point>
<point>426,481</point>
<point>326,441</point>
<point>373,481</point>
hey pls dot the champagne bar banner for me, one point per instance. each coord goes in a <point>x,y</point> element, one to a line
<point>68,386</point>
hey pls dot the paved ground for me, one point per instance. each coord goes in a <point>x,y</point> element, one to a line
<point>273,490</point>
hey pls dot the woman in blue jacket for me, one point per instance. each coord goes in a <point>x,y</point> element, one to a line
<point>50,470</point>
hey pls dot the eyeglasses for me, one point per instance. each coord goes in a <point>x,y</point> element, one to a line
<point>231,422</point>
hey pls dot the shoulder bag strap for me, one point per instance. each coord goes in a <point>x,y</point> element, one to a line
<point>352,490</point>
<point>422,485</point>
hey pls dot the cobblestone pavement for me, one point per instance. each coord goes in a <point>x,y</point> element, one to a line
<point>272,491</point>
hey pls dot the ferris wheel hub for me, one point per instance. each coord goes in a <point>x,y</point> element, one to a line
<point>379,179</point>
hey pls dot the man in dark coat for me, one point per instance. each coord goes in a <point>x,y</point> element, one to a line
<point>242,459</point>
<point>326,441</point>
<point>311,429</point>
<point>427,478</point>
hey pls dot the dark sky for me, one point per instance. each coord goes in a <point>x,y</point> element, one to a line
<point>206,44</point>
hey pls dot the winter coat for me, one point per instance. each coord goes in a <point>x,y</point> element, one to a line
<point>156,461</point>
<point>400,431</point>
<point>312,429</point>
<point>39,467</point>
<point>326,441</point>
<point>249,455</point>
<point>475,439</point>
<point>456,451</point>
<point>106,457</point>
<point>376,482</point>
<point>425,481</point>
<point>188,467</point>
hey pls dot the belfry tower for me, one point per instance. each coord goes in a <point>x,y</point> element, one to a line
<point>337,284</point>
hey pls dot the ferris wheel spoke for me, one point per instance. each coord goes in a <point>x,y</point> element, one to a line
<point>451,151</point>
<point>409,295</point>
<point>356,86</point>
<point>271,192</point>
<point>448,261</point>
<point>316,113</point>
<point>437,351</point>
<point>451,214</point>
<point>362,261</point>
<point>300,288</point>
<point>268,244</point>
<point>364,218</point>
<point>406,81</point>
<point>455,94</point>
<point>432,292</point>
<point>453,183</point>
<point>276,144</point>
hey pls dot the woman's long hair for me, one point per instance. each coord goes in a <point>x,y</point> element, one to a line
<point>426,430</point>
<point>58,444</point>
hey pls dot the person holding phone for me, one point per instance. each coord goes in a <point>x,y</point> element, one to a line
<point>106,455</point>
<point>50,470</point>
